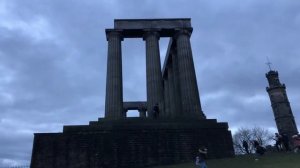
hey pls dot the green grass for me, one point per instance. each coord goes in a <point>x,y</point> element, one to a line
<point>274,160</point>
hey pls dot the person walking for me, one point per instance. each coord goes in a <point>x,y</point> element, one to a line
<point>200,159</point>
<point>197,161</point>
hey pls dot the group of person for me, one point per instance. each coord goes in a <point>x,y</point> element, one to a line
<point>282,143</point>
<point>258,148</point>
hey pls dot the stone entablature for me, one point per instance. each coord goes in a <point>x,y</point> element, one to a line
<point>135,28</point>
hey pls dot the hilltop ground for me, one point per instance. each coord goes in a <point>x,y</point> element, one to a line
<point>269,160</point>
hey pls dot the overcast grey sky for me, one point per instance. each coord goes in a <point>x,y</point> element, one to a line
<point>53,61</point>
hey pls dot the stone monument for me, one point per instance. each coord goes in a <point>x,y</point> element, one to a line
<point>281,106</point>
<point>171,126</point>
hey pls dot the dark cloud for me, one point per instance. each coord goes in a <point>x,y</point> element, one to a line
<point>53,61</point>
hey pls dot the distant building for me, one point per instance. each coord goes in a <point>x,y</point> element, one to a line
<point>281,106</point>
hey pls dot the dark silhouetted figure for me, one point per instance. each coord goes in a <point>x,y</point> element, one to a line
<point>155,111</point>
<point>246,147</point>
<point>278,144</point>
<point>255,143</point>
<point>285,140</point>
<point>259,149</point>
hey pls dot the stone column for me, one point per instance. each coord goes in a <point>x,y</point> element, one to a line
<point>176,83</point>
<point>166,97</point>
<point>114,88</point>
<point>153,72</point>
<point>124,113</point>
<point>172,90</point>
<point>189,93</point>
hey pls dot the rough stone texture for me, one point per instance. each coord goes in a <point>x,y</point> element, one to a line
<point>130,143</point>
<point>114,86</point>
<point>176,83</point>
<point>141,106</point>
<point>281,106</point>
<point>152,23</point>
<point>190,100</point>
<point>134,28</point>
<point>167,111</point>
<point>153,72</point>
<point>172,91</point>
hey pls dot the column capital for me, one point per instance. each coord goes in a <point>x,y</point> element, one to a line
<point>183,31</point>
<point>148,32</point>
<point>114,33</point>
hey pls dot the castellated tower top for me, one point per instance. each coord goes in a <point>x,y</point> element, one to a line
<point>273,80</point>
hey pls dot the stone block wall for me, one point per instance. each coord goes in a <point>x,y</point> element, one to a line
<point>117,145</point>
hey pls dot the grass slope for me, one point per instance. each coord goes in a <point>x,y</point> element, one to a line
<point>274,160</point>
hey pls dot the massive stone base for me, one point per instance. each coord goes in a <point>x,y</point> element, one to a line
<point>131,143</point>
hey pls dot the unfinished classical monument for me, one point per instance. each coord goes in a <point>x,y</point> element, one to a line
<point>171,126</point>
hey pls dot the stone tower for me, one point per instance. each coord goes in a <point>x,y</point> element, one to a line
<point>281,106</point>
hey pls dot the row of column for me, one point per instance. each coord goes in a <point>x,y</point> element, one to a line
<point>186,102</point>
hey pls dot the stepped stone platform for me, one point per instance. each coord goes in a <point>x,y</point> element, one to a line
<point>132,143</point>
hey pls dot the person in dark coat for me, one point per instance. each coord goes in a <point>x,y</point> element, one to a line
<point>155,111</point>
<point>245,146</point>
<point>259,149</point>
<point>278,144</point>
<point>285,141</point>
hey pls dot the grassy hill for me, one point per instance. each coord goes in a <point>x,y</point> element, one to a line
<point>274,160</point>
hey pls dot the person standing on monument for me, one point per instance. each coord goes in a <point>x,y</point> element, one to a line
<point>285,140</point>
<point>155,111</point>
